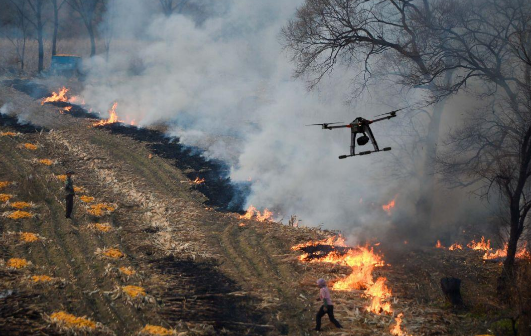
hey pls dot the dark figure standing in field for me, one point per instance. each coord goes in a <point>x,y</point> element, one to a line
<point>69,191</point>
<point>327,307</point>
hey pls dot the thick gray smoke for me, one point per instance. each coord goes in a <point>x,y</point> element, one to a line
<point>226,85</point>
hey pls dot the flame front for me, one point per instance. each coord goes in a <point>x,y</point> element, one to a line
<point>396,330</point>
<point>439,245</point>
<point>266,215</point>
<point>455,246</point>
<point>521,253</point>
<point>113,117</point>
<point>481,245</point>
<point>198,180</point>
<point>387,207</point>
<point>55,97</point>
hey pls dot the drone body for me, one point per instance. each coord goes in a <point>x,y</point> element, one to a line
<point>361,126</point>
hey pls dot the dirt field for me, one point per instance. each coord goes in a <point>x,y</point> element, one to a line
<point>200,271</point>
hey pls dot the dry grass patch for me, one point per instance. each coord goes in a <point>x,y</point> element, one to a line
<point>4,184</point>
<point>5,197</point>
<point>46,162</point>
<point>78,189</point>
<point>134,291</point>
<point>128,271</point>
<point>61,178</point>
<point>156,330</point>
<point>87,199</point>
<point>41,278</point>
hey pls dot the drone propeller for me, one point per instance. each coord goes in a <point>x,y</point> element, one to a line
<point>391,112</point>
<point>326,124</point>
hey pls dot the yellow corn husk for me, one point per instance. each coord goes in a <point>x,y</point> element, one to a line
<point>127,270</point>
<point>30,146</point>
<point>46,162</point>
<point>4,184</point>
<point>71,321</point>
<point>5,197</point>
<point>87,199</point>
<point>28,237</point>
<point>113,253</point>
<point>156,330</point>
<point>134,291</point>
<point>19,215</point>
<point>61,178</point>
<point>41,278</point>
<point>12,134</point>
<point>103,227</point>
<point>100,209</point>
<point>20,205</point>
<point>17,263</point>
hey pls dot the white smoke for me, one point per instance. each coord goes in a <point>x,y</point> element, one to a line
<point>225,85</point>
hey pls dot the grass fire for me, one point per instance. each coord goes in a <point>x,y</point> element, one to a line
<point>309,167</point>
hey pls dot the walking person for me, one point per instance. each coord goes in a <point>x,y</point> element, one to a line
<point>69,193</point>
<point>327,307</point>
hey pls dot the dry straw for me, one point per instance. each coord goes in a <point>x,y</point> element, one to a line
<point>156,330</point>
<point>30,146</point>
<point>5,197</point>
<point>87,199</point>
<point>21,205</point>
<point>17,263</point>
<point>18,214</point>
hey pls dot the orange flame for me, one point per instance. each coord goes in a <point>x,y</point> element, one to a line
<point>387,207</point>
<point>266,215</point>
<point>61,96</point>
<point>439,245</point>
<point>379,292</point>
<point>396,330</point>
<point>333,241</point>
<point>198,180</point>
<point>521,253</point>
<point>113,117</point>
<point>455,246</point>
<point>481,245</point>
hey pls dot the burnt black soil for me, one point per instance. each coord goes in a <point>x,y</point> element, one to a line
<point>197,292</point>
<point>13,122</point>
<point>320,251</point>
<point>218,188</point>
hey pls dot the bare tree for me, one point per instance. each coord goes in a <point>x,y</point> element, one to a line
<point>171,6</point>
<point>88,10</point>
<point>19,34</point>
<point>33,13</point>
<point>490,47</point>
<point>374,32</point>
<point>57,5</point>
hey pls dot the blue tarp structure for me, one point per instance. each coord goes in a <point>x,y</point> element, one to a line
<point>65,65</point>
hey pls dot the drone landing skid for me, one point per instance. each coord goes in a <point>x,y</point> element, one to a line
<point>366,153</point>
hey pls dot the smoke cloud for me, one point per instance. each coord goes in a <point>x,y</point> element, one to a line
<point>224,84</point>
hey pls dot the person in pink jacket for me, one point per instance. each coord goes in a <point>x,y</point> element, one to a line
<point>327,307</point>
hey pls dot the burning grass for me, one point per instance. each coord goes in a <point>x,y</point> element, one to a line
<point>17,263</point>
<point>56,97</point>
<point>30,146</point>
<point>46,162</point>
<point>5,197</point>
<point>482,245</point>
<point>156,330</point>
<point>455,246</point>
<point>4,184</point>
<point>100,209</point>
<point>87,199</point>
<point>18,214</point>
<point>113,117</point>
<point>252,212</point>
<point>61,178</point>
<point>396,330</point>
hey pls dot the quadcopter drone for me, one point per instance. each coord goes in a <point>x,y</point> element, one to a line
<point>361,126</point>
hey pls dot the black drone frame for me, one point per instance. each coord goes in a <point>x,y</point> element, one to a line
<point>361,126</point>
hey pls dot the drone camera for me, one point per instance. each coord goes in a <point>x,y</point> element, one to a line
<point>343,157</point>
<point>386,149</point>
<point>362,140</point>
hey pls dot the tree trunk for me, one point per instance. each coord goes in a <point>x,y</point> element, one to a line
<point>41,44</point>
<point>55,27</point>
<point>424,206</point>
<point>23,52</point>
<point>92,39</point>
<point>507,275</point>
